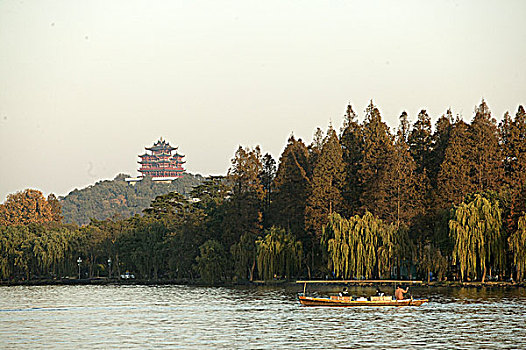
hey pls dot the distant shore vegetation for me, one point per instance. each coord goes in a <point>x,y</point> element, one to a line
<point>445,203</point>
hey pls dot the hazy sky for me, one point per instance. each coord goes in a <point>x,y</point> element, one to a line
<point>86,85</point>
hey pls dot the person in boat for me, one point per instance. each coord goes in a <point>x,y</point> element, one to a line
<point>399,292</point>
<point>344,292</point>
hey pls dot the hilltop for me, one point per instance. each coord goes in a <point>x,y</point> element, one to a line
<point>110,198</point>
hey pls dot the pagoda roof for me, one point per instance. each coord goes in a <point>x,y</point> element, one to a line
<point>161,145</point>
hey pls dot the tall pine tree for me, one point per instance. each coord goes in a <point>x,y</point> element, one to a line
<point>292,186</point>
<point>420,142</point>
<point>327,182</point>
<point>375,164</point>
<point>513,140</point>
<point>485,154</point>
<point>352,148</point>
<point>453,181</point>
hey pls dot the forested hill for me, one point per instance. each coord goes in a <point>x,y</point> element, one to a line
<point>116,197</point>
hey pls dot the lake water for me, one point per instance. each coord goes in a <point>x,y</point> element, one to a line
<point>253,318</point>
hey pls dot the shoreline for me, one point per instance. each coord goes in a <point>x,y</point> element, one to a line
<point>273,283</point>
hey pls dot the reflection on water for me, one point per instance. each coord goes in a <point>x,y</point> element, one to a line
<point>262,318</point>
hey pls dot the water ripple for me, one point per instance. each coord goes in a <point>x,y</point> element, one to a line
<point>138,317</point>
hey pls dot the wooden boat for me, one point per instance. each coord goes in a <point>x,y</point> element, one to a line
<point>348,301</point>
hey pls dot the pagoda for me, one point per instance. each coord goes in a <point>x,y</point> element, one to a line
<point>160,163</point>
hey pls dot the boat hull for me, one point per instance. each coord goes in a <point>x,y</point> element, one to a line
<point>348,302</point>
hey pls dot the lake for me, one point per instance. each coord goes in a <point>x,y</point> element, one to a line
<point>190,317</point>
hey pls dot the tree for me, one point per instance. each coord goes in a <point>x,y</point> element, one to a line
<point>374,168</point>
<point>325,195</point>
<point>244,257</point>
<point>211,262</point>
<point>431,259</point>
<point>268,173</point>
<point>420,142</point>
<point>517,244</point>
<point>278,254</point>
<point>244,174</point>
<point>327,182</point>
<point>243,211</point>
<point>292,186</point>
<point>352,152</point>
<point>56,208</point>
<point>513,139</point>
<point>361,246</point>
<point>475,229</point>
<point>404,186</point>
<point>441,137</point>
<point>26,207</point>
<point>455,172</point>
<point>485,155</point>
<point>315,148</point>
<point>108,198</point>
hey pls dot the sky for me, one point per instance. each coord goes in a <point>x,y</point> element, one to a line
<point>86,85</point>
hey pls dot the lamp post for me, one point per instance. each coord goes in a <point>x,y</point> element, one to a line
<point>79,261</point>
<point>109,267</point>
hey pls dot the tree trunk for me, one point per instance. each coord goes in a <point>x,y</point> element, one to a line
<point>251,271</point>
<point>118,265</point>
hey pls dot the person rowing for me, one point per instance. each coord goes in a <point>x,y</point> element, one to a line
<point>399,292</point>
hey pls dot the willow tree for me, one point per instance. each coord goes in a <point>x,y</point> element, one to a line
<point>211,261</point>
<point>353,244</point>
<point>431,259</point>
<point>517,243</point>
<point>340,243</point>
<point>278,254</point>
<point>475,229</point>
<point>244,257</point>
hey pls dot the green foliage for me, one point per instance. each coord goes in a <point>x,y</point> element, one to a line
<point>375,166</point>
<point>362,246</point>
<point>326,185</point>
<point>352,143</point>
<point>485,152</point>
<point>453,182</point>
<point>475,229</point>
<point>517,243</point>
<point>292,187</point>
<point>420,142</point>
<point>211,262</point>
<point>431,259</point>
<point>397,192</point>
<point>512,136</point>
<point>278,254</point>
<point>403,185</point>
<point>116,197</point>
<point>38,250</point>
<point>244,257</point>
